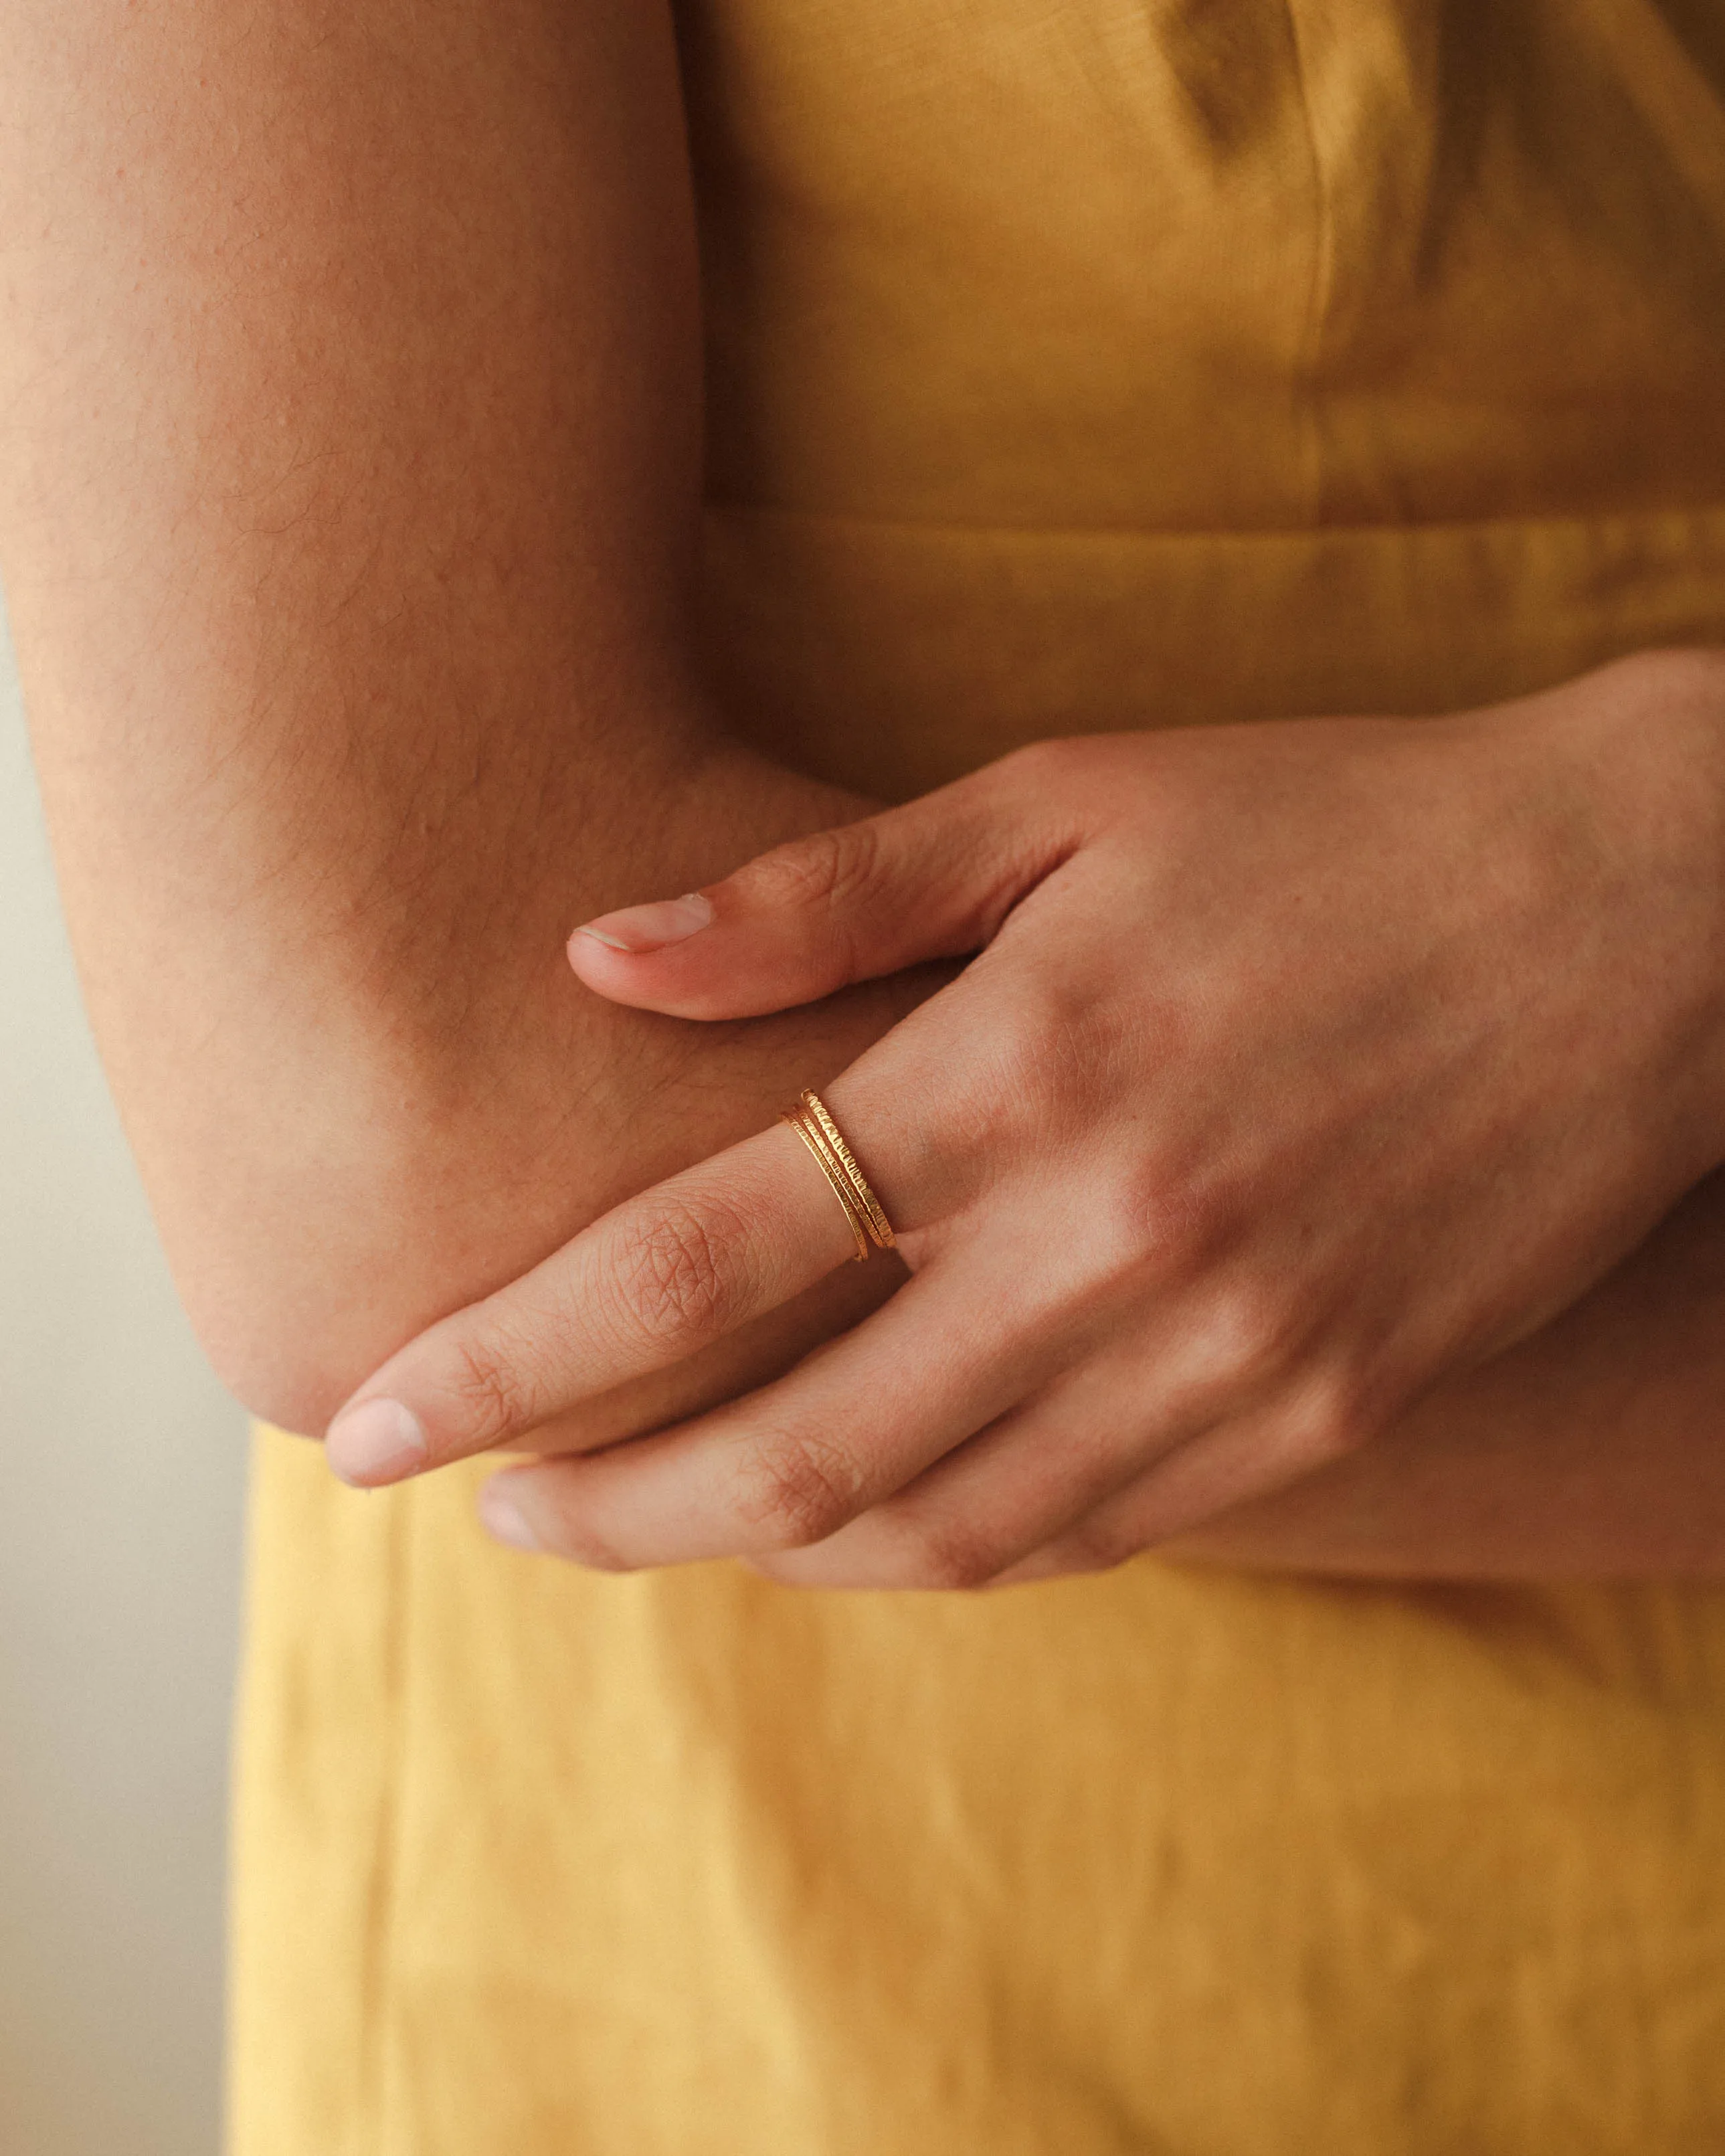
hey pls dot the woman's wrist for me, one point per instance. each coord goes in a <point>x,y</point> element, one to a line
<point>1638,749</point>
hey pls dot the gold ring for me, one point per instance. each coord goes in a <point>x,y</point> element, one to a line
<point>841,1188</point>
<point>810,1120</point>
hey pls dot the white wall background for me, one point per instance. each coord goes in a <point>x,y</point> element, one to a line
<point>120,1471</point>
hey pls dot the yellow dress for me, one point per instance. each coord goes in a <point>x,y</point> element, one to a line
<point>1075,364</point>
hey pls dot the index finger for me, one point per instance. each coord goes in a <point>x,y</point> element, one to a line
<point>653,1280</point>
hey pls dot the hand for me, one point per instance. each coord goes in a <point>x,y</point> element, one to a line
<point>1302,1066</point>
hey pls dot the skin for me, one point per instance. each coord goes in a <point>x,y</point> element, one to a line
<point>1251,1129</point>
<point>351,386</point>
<point>347,541</point>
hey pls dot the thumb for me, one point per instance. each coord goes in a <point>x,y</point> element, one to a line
<point>932,880</point>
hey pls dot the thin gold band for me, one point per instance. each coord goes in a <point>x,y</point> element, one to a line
<point>807,1131</point>
<point>879,1226</point>
<point>812,1122</point>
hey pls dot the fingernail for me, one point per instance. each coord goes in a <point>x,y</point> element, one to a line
<point>504,1519</point>
<point>379,1442</point>
<point>638,928</point>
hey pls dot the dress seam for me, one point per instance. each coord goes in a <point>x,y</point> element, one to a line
<point>1409,528</point>
<point>1321,281</point>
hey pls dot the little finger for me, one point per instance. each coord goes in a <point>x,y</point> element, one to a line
<point>791,1464</point>
<point>1251,1456</point>
<point>1023,1481</point>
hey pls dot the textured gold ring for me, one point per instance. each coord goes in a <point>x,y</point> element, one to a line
<point>810,1120</point>
<point>834,1174</point>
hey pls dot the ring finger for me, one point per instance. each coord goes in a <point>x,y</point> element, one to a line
<point>1252,1455</point>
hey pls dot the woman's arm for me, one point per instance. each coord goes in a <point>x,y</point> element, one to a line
<point>349,384</point>
<point>1319,1093</point>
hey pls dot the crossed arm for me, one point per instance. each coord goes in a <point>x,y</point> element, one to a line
<point>350,384</point>
<point>351,424</point>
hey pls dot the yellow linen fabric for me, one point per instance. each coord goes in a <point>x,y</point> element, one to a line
<point>1112,363</point>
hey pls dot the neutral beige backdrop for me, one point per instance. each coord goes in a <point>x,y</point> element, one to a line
<point>119,1559</point>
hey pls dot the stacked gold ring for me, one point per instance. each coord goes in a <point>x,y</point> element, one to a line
<point>813,1124</point>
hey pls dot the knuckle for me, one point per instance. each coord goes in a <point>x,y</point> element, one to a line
<point>1029,1075</point>
<point>944,1555</point>
<point>1332,1417</point>
<point>487,1379</point>
<point>1095,1548</point>
<point>1072,781</point>
<point>1252,1333</point>
<point>563,1529</point>
<point>1151,1229</point>
<point>798,1490</point>
<point>1174,1213</point>
<point>677,1271</point>
<point>820,872</point>
<point>577,1541</point>
<point>1038,764</point>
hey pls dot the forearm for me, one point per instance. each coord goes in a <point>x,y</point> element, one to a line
<point>1595,1450</point>
<point>351,467</point>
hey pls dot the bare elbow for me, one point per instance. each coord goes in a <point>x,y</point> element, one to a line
<point>290,1353</point>
<point>297,1305</point>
